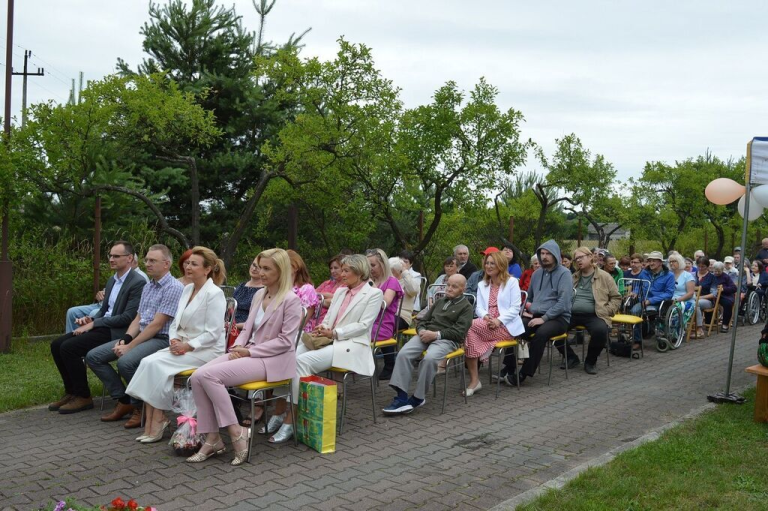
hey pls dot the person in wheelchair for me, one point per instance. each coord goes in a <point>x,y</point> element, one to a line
<point>674,322</point>
<point>759,278</point>
<point>661,289</point>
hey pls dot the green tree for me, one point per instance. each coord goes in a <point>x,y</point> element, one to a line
<point>121,124</point>
<point>352,128</point>
<point>574,177</point>
<point>206,50</point>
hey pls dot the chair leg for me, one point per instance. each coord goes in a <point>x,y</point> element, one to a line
<point>373,400</point>
<point>490,368</point>
<point>294,417</point>
<point>565,355</point>
<point>551,357</point>
<point>463,377</point>
<point>250,437</point>
<point>502,355</point>
<point>445,388</point>
<point>343,403</point>
<point>103,396</point>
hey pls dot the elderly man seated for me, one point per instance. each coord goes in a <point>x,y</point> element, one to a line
<point>662,288</point>
<point>440,332</point>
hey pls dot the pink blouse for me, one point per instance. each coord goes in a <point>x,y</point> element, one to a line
<point>309,299</point>
<point>329,286</point>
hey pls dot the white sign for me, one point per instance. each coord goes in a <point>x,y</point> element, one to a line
<point>757,160</point>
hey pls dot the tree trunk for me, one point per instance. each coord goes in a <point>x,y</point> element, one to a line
<point>146,200</point>
<point>194,193</point>
<point>720,240</point>
<point>230,245</point>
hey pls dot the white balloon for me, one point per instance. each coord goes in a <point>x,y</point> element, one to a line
<point>759,195</point>
<point>755,209</point>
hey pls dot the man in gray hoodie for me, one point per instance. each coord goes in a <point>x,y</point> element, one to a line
<point>547,309</point>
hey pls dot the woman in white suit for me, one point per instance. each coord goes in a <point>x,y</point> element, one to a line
<point>349,322</point>
<point>498,315</point>
<point>196,337</point>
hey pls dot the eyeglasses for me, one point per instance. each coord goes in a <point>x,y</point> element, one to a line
<point>117,256</point>
<point>577,259</point>
<point>153,261</point>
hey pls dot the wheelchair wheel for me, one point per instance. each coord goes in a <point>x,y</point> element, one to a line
<point>662,345</point>
<point>763,310</point>
<point>675,326</point>
<point>753,308</point>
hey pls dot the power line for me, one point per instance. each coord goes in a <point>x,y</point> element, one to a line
<point>50,91</point>
<point>48,65</point>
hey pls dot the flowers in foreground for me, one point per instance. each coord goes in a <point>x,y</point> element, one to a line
<point>117,504</point>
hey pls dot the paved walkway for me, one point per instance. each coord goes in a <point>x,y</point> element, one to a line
<point>472,457</point>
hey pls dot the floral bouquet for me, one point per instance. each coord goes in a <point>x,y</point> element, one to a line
<point>117,504</point>
<point>185,441</point>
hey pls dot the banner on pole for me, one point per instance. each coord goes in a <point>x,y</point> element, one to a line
<point>757,161</point>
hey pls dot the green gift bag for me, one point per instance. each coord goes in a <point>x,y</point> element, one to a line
<point>317,413</point>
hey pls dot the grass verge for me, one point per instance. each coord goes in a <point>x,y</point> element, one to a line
<point>29,377</point>
<point>716,461</point>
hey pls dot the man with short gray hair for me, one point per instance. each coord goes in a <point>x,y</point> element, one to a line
<point>466,268</point>
<point>442,331</point>
<point>147,334</point>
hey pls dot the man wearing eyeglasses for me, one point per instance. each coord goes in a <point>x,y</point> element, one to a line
<point>81,311</point>
<point>121,301</point>
<point>147,334</point>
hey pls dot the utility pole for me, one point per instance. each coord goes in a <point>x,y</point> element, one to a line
<point>6,267</point>
<point>25,74</point>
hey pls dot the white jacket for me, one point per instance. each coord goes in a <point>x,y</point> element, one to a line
<point>352,349</point>
<point>508,301</point>
<point>201,321</point>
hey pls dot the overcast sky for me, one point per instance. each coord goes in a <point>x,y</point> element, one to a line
<point>636,82</point>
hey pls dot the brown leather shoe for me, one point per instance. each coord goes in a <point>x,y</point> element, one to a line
<point>135,420</point>
<point>76,404</point>
<point>54,407</point>
<point>120,411</point>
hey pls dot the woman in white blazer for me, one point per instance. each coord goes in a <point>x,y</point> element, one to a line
<point>498,315</point>
<point>196,337</point>
<point>349,323</point>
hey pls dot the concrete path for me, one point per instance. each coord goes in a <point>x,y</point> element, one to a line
<point>474,456</point>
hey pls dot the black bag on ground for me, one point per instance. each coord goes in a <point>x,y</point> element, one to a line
<point>620,349</point>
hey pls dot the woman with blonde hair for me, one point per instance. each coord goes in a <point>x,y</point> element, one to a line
<point>262,352</point>
<point>347,327</point>
<point>196,337</point>
<point>386,323</point>
<point>498,315</point>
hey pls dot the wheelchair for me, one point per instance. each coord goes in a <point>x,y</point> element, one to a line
<point>672,323</point>
<point>667,323</point>
<point>752,309</point>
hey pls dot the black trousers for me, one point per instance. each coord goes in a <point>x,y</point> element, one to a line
<point>68,352</point>
<point>598,336</point>
<point>536,345</point>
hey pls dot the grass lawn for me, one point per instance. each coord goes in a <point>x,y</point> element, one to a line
<point>716,461</point>
<point>29,377</point>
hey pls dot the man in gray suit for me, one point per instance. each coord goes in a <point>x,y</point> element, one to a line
<point>121,301</point>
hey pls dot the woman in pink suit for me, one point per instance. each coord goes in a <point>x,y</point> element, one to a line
<point>264,351</point>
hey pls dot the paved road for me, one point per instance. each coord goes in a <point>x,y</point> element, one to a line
<point>472,457</point>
